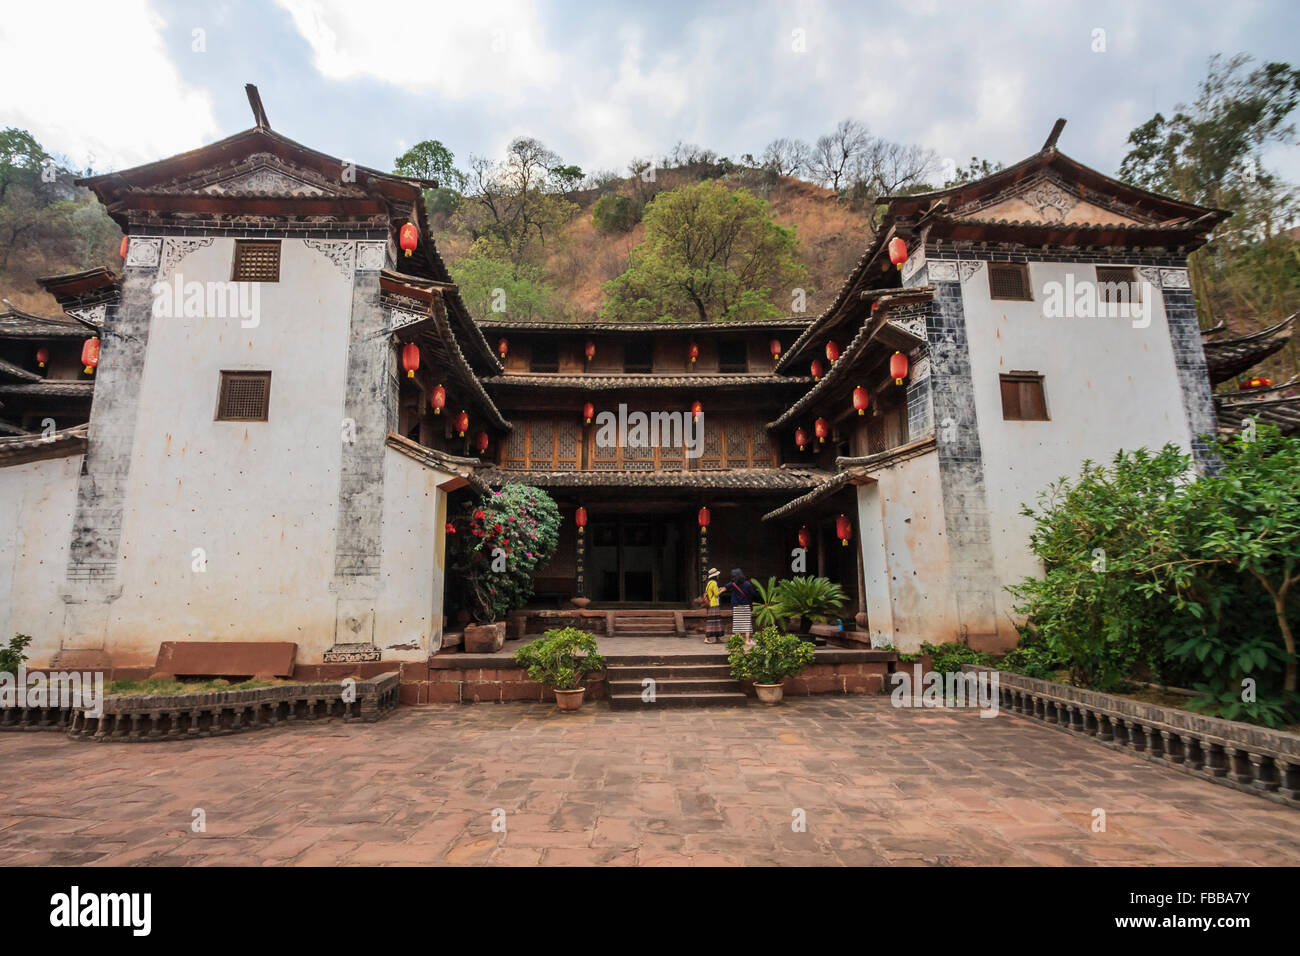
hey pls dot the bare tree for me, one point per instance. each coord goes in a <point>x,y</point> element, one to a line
<point>835,153</point>
<point>883,168</point>
<point>786,157</point>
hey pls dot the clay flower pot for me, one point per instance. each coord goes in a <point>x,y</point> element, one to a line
<point>770,693</point>
<point>580,602</point>
<point>569,699</point>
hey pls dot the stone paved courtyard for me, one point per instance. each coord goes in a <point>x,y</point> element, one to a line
<point>701,787</point>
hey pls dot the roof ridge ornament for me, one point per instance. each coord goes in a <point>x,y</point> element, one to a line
<point>1057,127</point>
<point>255,101</point>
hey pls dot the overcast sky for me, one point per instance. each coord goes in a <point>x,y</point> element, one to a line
<point>118,83</point>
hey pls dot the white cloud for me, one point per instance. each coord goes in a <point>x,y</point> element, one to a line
<point>97,83</point>
<point>487,47</point>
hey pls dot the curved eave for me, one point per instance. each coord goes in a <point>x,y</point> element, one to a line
<point>596,382</point>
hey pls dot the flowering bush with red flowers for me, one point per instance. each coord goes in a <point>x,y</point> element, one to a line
<point>497,544</point>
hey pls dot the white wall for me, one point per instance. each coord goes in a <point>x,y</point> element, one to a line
<point>39,499</point>
<point>408,618</point>
<point>1107,385</point>
<point>905,556</point>
<point>260,498</point>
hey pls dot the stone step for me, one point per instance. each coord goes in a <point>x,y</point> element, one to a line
<point>712,699</point>
<point>662,672</point>
<point>645,627</point>
<point>665,658</point>
<point>676,685</point>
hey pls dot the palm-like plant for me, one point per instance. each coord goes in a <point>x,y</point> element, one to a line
<point>767,610</point>
<point>814,599</point>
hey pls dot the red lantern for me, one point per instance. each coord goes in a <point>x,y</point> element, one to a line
<point>832,352</point>
<point>438,399</point>
<point>125,242</point>
<point>462,423</point>
<point>800,438</point>
<point>696,410</point>
<point>580,518</point>
<point>898,367</point>
<point>481,442</point>
<point>90,355</point>
<point>42,356</point>
<point>503,347</point>
<point>805,539</point>
<point>897,252</point>
<point>590,350</point>
<point>774,347</point>
<point>410,358</point>
<point>860,399</point>
<point>408,238</point>
<point>704,517</point>
<point>693,352</point>
<point>1257,381</point>
<point>843,529</point>
<point>817,369</point>
<point>823,428</point>
<point>589,412</point>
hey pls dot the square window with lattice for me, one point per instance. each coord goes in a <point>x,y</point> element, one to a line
<point>1009,280</point>
<point>244,397</point>
<point>256,260</point>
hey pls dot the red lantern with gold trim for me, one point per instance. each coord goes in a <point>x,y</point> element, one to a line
<point>693,352</point>
<point>843,529</point>
<point>774,347</point>
<point>704,517</point>
<point>589,350</point>
<point>589,412</point>
<point>696,411</point>
<point>462,423</point>
<point>817,370</point>
<point>580,518</point>
<point>898,367</point>
<point>410,358</point>
<point>805,539</point>
<point>832,352</point>
<point>42,356</point>
<point>823,428</point>
<point>897,252</point>
<point>502,347</point>
<point>1257,381</point>
<point>481,442</point>
<point>126,241</point>
<point>860,399</point>
<point>438,400</point>
<point>90,355</point>
<point>801,438</point>
<point>408,239</point>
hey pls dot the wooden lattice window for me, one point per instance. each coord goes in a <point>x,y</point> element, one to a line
<point>1116,285</point>
<point>1009,280</point>
<point>1022,397</point>
<point>244,397</point>
<point>256,260</point>
<point>733,355</point>
<point>545,356</point>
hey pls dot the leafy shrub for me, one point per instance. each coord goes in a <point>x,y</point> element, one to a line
<point>615,213</point>
<point>524,523</point>
<point>774,656</point>
<point>948,657</point>
<point>1031,657</point>
<point>12,657</point>
<point>814,599</point>
<point>561,658</point>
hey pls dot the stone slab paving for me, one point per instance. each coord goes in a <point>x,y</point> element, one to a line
<point>879,786</point>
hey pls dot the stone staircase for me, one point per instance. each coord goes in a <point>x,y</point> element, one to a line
<point>680,680</point>
<point>646,622</point>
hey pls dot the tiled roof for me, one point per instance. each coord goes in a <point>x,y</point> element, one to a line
<point>50,389</point>
<point>851,469</point>
<point>457,465</point>
<point>1225,358</point>
<point>597,382</point>
<point>505,325</point>
<point>10,370</point>
<point>760,479</point>
<point>19,449</point>
<point>17,324</point>
<point>1279,405</point>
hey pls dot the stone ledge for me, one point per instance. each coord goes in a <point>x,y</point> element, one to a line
<point>1245,757</point>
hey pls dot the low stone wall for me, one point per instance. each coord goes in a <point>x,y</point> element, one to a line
<point>829,677</point>
<point>1243,756</point>
<point>148,718</point>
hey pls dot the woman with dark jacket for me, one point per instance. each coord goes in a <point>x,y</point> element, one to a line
<point>742,594</point>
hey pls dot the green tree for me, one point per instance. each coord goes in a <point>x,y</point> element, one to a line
<point>615,213</point>
<point>490,283</point>
<point>709,252</point>
<point>432,160</point>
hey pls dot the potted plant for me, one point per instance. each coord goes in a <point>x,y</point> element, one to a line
<point>559,660</point>
<point>772,656</point>
<point>808,601</point>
